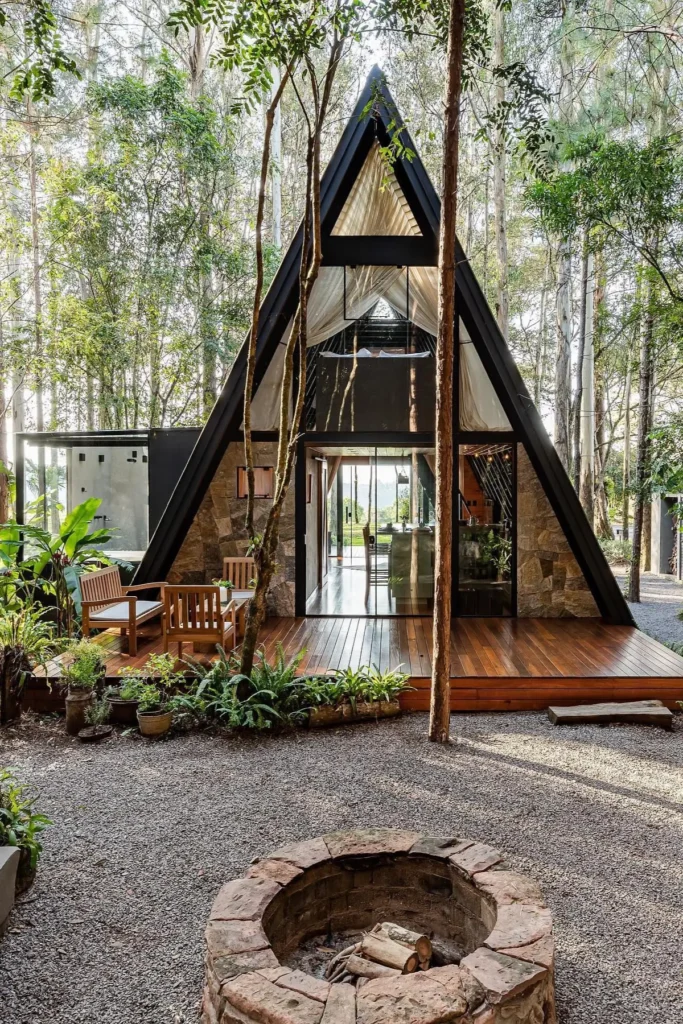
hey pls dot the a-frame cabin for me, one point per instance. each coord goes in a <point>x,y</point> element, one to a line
<point>357,535</point>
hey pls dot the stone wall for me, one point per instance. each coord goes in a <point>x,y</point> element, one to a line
<point>549,581</point>
<point>218,530</point>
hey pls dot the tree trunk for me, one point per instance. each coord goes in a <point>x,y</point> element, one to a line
<point>39,354</point>
<point>644,444</point>
<point>273,108</point>
<point>578,390</point>
<point>563,364</point>
<point>276,161</point>
<point>4,452</point>
<point>564,259</point>
<point>587,418</point>
<point>646,546</point>
<point>541,344</point>
<point>499,156</point>
<point>626,472</point>
<point>439,717</point>
<point>265,550</point>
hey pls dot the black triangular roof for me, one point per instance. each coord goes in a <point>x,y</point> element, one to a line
<point>374,113</point>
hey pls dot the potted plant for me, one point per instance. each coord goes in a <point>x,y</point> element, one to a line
<point>123,700</point>
<point>96,715</point>
<point>225,587</point>
<point>83,672</point>
<point>20,826</point>
<point>154,714</point>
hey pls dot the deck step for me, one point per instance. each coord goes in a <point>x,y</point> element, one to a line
<point>643,712</point>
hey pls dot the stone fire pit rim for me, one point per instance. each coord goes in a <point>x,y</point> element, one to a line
<point>514,965</point>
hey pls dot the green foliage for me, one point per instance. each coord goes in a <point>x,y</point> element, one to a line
<point>351,686</point>
<point>145,219</point>
<point>625,191</point>
<point>33,562</point>
<point>84,667</point>
<point>36,21</point>
<point>27,630</point>
<point>228,584</point>
<point>666,459</point>
<point>617,552</point>
<point>20,824</point>
<point>272,695</point>
<point>152,699</point>
<point>275,696</point>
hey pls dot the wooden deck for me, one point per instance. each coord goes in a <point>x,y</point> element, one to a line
<point>496,664</point>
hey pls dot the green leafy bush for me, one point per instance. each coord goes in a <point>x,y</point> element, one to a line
<point>617,552</point>
<point>84,669</point>
<point>33,562</point>
<point>20,824</point>
<point>274,694</point>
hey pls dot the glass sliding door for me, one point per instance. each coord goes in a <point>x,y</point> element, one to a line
<point>485,529</point>
<point>380,533</point>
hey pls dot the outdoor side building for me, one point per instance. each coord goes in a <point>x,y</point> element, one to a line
<point>357,533</point>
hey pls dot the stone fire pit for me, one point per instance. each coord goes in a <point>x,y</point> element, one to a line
<point>456,890</point>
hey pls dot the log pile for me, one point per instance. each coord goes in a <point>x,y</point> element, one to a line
<point>388,949</point>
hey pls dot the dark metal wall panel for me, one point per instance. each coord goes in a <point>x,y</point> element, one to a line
<point>169,451</point>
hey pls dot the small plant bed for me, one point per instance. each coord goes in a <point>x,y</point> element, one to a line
<point>356,695</point>
<point>275,697</point>
<point>21,826</point>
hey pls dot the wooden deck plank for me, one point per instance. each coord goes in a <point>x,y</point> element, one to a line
<point>495,663</point>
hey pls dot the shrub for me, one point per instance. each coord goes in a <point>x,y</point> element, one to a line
<point>20,823</point>
<point>84,669</point>
<point>617,552</point>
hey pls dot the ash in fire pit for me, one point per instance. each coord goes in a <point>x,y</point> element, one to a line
<point>380,927</point>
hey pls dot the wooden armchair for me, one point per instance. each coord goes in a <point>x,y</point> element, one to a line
<point>193,615</point>
<point>240,572</point>
<point>106,604</point>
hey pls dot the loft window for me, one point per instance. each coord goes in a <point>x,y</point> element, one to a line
<point>263,482</point>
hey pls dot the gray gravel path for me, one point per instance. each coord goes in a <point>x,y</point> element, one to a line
<point>657,612</point>
<point>146,833</point>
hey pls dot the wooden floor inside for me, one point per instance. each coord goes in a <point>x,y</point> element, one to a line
<point>496,664</point>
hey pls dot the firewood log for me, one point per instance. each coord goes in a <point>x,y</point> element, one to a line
<point>445,952</point>
<point>392,954</point>
<point>367,969</point>
<point>413,940</point>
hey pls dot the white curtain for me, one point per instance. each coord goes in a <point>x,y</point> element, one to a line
<point>376,204</point>
<point>329,312</point>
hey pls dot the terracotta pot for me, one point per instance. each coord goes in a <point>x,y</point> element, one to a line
<point>122,711</point>
<point>76,705</point>
<point>154,723</point>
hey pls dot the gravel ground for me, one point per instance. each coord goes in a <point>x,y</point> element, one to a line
<point>146,833</point>
<point>657,612</point>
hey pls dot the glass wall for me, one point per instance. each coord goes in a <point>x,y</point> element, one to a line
<point>379,529</point>
<point>485,529</point>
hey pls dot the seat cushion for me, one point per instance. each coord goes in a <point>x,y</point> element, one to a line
<point>120,610</point>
